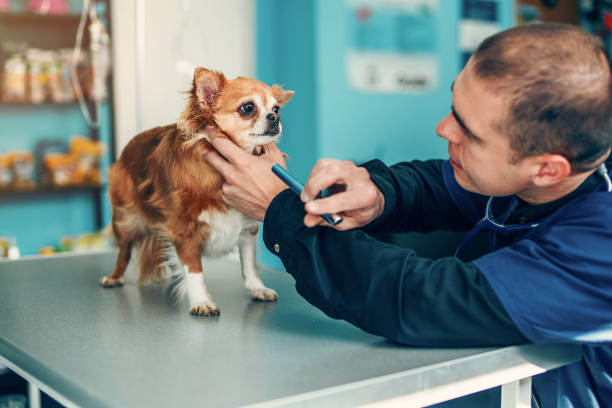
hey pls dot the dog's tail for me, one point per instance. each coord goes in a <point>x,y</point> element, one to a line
<point>152,256</point>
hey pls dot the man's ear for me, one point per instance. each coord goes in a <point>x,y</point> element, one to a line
<point>550,169</point>
<point>206,86</point>
<point>281,96</point>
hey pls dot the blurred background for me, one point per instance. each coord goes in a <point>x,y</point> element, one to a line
<point>79,78</point>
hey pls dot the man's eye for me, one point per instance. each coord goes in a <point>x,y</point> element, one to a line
<point>247,108</point>
<point>275,109</point>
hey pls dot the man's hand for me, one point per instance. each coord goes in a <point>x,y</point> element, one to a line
<point>355,197</point>
<point>249,184</point>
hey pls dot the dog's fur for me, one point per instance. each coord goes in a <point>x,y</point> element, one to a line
<point>165,196</point>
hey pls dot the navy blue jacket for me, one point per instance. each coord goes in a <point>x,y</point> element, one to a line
<point>449,302</point>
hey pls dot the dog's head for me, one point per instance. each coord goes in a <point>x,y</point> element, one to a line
<point>245,109</point>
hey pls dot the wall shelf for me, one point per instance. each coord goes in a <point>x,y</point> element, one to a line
<point>18,17</point>
<point>38,189</point>
<point>46,31</point>
<point>28,105</point>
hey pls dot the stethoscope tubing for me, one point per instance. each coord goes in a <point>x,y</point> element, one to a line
<point>488,222</point>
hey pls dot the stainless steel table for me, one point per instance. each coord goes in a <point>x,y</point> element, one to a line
<point>137,346</point>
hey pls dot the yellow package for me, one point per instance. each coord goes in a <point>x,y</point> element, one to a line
<point>59,169</point>
<point>6,173</point>
<point>87,154</point>
<point>22,165</point>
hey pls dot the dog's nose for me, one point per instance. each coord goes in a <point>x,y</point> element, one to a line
<point>273,117</point>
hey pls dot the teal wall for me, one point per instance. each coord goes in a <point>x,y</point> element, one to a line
<point>302,44</point>
<point>41,219</point>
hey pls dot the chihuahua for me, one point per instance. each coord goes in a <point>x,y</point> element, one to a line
<point>166,198</point>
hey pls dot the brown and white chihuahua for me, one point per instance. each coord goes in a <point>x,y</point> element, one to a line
<point>166,198</point>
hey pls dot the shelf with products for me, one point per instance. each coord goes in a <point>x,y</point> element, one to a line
<point>45,112</point>
<point>28,17</point>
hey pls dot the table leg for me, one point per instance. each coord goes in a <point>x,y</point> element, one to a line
<point>33,396</point>
<point>516,394</point>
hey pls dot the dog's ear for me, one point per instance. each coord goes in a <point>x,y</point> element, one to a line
<point>206,85</point>
<point>282,96</point>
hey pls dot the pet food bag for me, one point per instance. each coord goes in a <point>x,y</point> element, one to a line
<point>37,75</point>
<point>87,154</point>
<point>22,164</point>
<point>59,169</point>
<point>6,174</point>
<point>60,88</point>
<point>14,79</point>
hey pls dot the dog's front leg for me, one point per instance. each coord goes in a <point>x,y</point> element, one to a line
<point>200,301</point>
<point>252,282</point>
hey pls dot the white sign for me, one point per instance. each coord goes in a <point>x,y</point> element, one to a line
<point>472,32</point>
<point>387,72</point>
<point>412,6</point>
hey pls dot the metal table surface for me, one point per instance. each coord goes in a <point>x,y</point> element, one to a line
<point>137,346</point>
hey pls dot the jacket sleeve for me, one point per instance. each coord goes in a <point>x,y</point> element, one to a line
<point>416,198</point>
<point>384,289</point>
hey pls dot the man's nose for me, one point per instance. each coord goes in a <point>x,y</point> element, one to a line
<point>272,117</point>
<point>448,129</point>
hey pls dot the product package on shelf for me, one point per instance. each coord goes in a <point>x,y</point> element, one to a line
<point>59,169</point>
<point>6,171</point>
<point>32,75</point>
<point>39,63</point>
<point>80,165</point>
<point>87,242</point>
<point>60,84</point>
<point>22,166</point>
<point>9,248</point>
<point>14,79</point>
<point>87,154</point>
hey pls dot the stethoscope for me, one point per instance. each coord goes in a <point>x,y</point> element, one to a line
<point>488,222</point>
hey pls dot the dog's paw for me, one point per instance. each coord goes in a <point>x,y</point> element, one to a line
<point>108,282</point>
<point>205,309</point>
<point>264,295</point>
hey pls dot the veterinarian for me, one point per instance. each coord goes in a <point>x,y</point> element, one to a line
<point>529,135</point>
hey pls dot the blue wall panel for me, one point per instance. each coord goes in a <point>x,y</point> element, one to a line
<point>360,125</point>
<point>303,45</point>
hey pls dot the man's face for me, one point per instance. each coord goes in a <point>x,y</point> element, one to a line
<point>479,153</point>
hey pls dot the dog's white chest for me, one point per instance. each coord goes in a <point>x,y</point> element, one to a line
<point>225,231</point>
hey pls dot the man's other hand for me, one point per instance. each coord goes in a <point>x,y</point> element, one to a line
<point>354,196</point>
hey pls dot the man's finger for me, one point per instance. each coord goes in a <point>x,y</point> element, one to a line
<point>319,181</point>
<point>349,200</point>
<point>229,150</point>
<point>214,159</point>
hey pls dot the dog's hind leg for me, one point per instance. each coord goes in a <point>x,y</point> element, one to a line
<point>127,235</point>
<point>116,278</point>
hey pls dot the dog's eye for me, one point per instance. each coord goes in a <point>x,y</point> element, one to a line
<point>247,109</point>
<point>275,109</point>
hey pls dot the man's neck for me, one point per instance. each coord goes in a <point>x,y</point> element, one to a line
<point>542,195</point>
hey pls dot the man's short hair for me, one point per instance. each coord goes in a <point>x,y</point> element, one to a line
<point>558,83</point>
